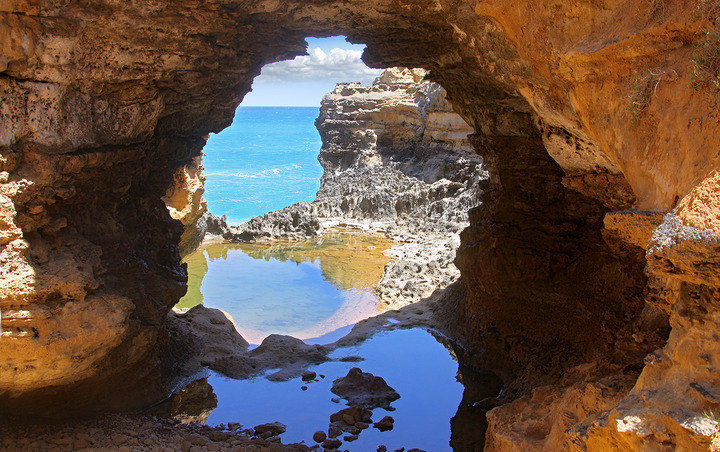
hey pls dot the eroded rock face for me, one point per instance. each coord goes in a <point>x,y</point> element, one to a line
<point>185,202</point>
<point>396,160</point>
<point>396,151</point>
<point>579,108</point>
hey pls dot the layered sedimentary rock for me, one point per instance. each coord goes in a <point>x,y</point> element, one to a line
<point>397,159</point>
<point>579,109</point>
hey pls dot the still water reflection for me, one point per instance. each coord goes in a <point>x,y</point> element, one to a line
<point>420,365</point>
<point>305,289</point>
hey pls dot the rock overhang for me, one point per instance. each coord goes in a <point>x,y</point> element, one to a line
<point>104,102</point>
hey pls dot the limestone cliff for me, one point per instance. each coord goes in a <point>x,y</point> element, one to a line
<point>396,151</point>
<point>396,159</point>
<point>185,202</point>
<point>586,113</point>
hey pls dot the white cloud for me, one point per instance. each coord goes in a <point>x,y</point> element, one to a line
<point>343,65</point>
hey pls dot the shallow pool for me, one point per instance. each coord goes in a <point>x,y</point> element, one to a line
<point>316,291</point>
<point>418,364</point>
<point>306,289</point>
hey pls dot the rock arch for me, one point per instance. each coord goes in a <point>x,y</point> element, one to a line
<point>103,101</point>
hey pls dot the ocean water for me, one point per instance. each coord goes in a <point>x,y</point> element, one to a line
<point>266,160</point>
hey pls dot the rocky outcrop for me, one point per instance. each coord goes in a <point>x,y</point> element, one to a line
<point>396,151</point>
<point>185,202</point>
<point>298,221</point>
<point>364,389</point>
<point>579,109</point>
<point>396,160</point>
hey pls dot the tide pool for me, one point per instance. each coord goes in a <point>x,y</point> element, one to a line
<point>266,160</point>
<point>306,289</point>
<point>434,411</point>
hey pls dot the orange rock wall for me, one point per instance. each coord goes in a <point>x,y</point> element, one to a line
<point>589,115</point>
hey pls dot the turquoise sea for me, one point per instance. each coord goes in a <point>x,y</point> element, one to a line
<point>266,160</point>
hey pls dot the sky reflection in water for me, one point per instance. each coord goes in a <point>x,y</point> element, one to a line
<point>318,289</point>
<point>411,361</point>
<point>305,289</point>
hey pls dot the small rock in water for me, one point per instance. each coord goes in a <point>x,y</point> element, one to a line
<point>319,436</point>
<point>352,359</point>
<point>362,425</point>
<point>304,388</point>
<point>322,376</point>
<point>385,424</point>
<point>349,420</point>
<point>335,400</point>
<point>351,415</point>
<point>350,438</point>
<point>275,428</point>
<point>334,431</point>
<point>381,448</point>
<point>364,389</point>
<point>308,375</point>
<point>331,443</point>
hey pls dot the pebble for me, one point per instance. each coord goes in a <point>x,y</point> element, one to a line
<point>362,425</point>
<point>351,415</point>
<point>385,424</point>
<point>219,436</point>
<point>335,400</point>
<point>275,428</point>
<point>304,388</point>
<point>334,431</point>
<point>116,438</point>
<point>308,375</point>
<point>319,436</point>
<point>331,443</point>
<point>350,438</point>
<point>197,440</point>
<point>349,420</point>
<point>381,448</point>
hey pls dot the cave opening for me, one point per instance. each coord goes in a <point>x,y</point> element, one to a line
<point>277,254</point>
<point>571,266</point>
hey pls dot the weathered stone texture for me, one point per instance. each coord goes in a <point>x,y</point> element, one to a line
<point>103,102</point>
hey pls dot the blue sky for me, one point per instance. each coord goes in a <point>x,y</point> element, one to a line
<point>306,79</point>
